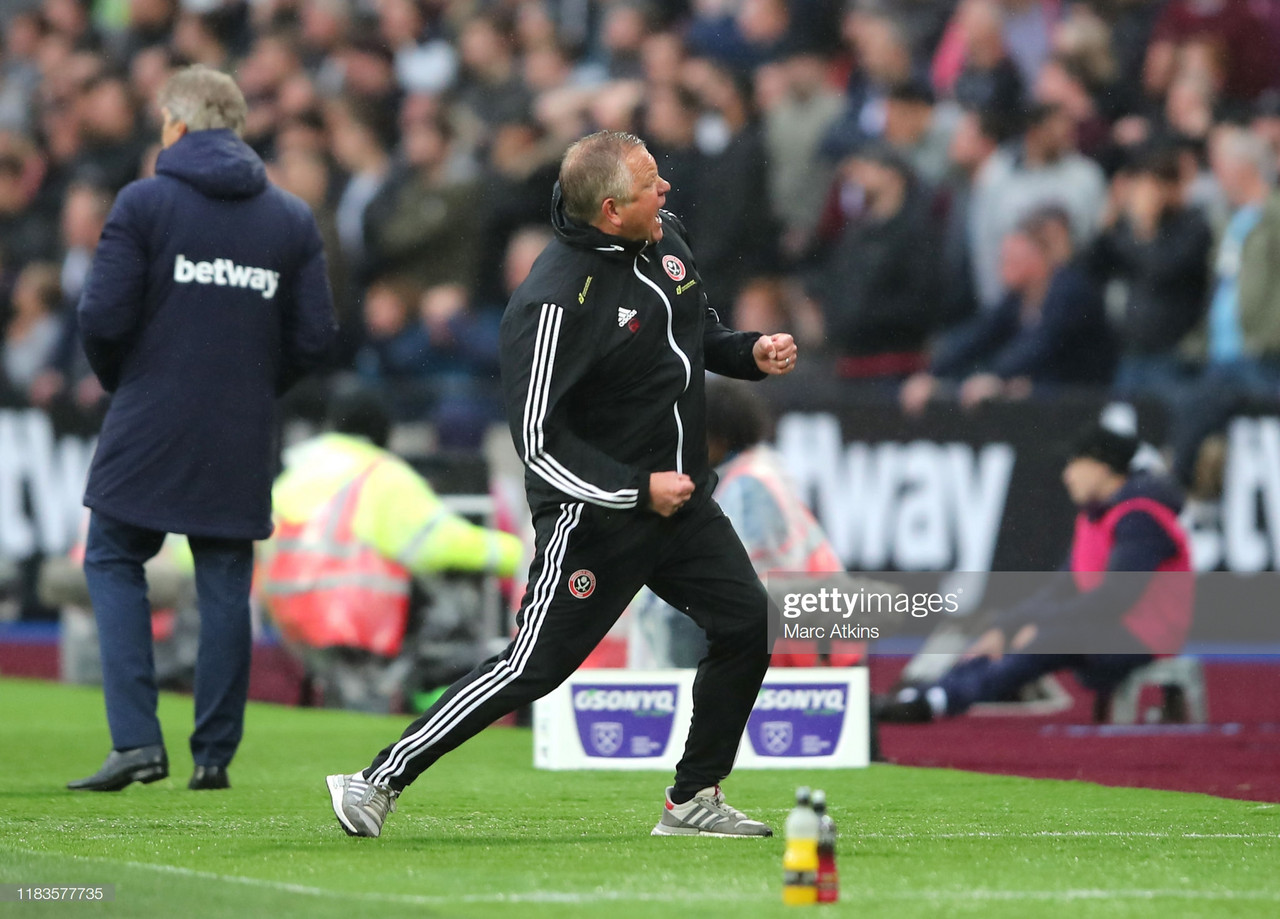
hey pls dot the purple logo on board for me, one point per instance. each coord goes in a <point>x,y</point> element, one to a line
<point>624,721</point>
<point>797,719</point>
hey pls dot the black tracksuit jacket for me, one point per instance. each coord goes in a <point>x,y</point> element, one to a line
<point>604,349</point>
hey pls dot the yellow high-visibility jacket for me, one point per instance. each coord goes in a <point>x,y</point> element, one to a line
<point>398,513</point>
<point>353,521</point>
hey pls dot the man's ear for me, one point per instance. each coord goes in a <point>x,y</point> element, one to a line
<point>609,211</point>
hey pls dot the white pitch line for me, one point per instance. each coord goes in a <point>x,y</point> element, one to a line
<point>603,896</point>
<point>1065,834</point>
<point>532,896</point>
<point>1081,894</point>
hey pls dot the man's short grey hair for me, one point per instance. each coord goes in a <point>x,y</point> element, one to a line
<point>595,168</point>
<point>204,99</point>
<point>1245,147</point>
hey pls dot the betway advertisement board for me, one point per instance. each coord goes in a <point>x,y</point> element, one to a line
<point>638,719</point>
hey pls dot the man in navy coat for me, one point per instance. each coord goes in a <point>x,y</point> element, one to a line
<point>208,297</point>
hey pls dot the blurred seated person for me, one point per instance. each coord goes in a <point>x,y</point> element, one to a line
<point>1157,248</point>
<point>878,289</point>
<point>436,354</point>
<point>355,525</point>
<point>31,332</point>
<point>1086,619</point>
<point>777,530</point>
<point>1050,328</point>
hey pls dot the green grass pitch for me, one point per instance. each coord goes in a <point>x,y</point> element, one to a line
<point>485,835</point>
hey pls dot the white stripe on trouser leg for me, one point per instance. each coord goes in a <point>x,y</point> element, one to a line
<point>505,672</point>
<point>502,674</point>
<point>491,683</point>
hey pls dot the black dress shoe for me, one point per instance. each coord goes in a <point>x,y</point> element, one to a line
<point>122,767</point>
<point>209,777</point>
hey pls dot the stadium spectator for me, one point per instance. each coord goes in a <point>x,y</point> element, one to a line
<point>1157,250</point>
<point>878,288</point>
<point>424,222</point>
<point>730,217</point>
<point>423,62</point>
<point>626,25</point>
<point>1028,33</point>
<point>490,91</point>
<point>395,347</point>
<point>1089,619</point>
<point>31,333</point>
<point>794,125</point>
<point>919,130</point>
<point>1049,330</point>
<point>306,173</point>
<point>974,143</point>
<point>198,38</point>
<point>521,166</point>
<point>368,71</point>
<point>112,145</point>
<point>19,73</point>
<point>361,136</point>
<point>1087,47</point>
<point>1239,340</point>
<point>883,58</point>
<point>989,79</point>
<point>186,444</point>
<point>355,525</point>
<point>1063,83</point>
<point>1231,32</point>
<point>26,232</point>
<point>84,212</point>
<point>1042,168</point>
<point>66,373</point>
<point>151,23</point>
<point>670,121</point>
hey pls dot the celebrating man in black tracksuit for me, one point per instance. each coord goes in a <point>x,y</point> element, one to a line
<point>604,348</point>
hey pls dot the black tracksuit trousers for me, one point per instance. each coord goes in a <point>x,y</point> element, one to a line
<point>588,564</point>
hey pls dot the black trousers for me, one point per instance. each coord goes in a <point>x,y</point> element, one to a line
<point>588,564</point>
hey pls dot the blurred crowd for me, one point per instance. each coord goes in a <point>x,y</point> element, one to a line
<point>988,199</point>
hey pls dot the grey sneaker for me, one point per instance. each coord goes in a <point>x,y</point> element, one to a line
<point>360,805</point>
<point>706,814</point>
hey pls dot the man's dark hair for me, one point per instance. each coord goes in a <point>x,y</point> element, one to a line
<point>1161,163</point>
<point>999,125</point>
<point>595,168</point>
<point>360,412</point>
<point>1038,224</point>
<point>736,416</point>
<point>373,117</point>
<point>1037,113</point>
<point>914,91</point>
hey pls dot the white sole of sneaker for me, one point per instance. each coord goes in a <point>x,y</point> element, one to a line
<point>661,830</point>
<point>337,788</point>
